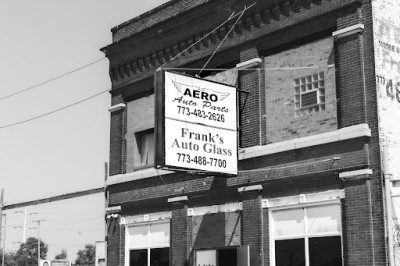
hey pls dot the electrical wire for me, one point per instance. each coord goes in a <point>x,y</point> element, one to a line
<point>245,69</point>
<point>70,105</point>
<point>52,79</point>
<point>222,41</point>
<point>54,111</point>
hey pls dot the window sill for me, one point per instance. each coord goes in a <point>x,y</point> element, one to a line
<point>144,172</point>
<point>352,132</point>
<point>141,167</point>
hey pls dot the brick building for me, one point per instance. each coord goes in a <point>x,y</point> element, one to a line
<point>318,95</point>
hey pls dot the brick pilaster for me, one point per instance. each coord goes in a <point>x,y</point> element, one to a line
<point>252,223</point>
<point>179,227</point>
<point>352,95</point>
<point>117,143</point>
<point>357,221</point>
<point>115,243</point>
<point>250,81</point>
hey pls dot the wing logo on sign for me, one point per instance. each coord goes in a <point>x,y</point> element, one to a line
<point>200,93</point>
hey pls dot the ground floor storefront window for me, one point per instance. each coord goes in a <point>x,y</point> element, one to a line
<point>148,245</point>
<point>307,236</point>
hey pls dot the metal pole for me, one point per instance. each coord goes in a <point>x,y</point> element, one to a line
<point>24,235</point>
<point>1,209</point>
<point>389,215</point>
<point>106,206</point>
<point>38,233</point>
<point>4,239</point>
<point>38,221</point>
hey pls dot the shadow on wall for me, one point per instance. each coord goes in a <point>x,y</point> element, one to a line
<point>214,230</point>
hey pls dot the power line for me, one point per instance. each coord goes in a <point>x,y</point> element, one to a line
<point>54,111</point>
<point>50,80</point>
<point>226,35</point>
<point>70,105</point>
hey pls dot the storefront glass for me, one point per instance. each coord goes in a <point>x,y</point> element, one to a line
<point>308,236</point>
<point>148,245</point>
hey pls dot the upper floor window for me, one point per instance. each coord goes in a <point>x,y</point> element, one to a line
<point>140,133</point>
<point>309,94</point>
<point>146,146</point>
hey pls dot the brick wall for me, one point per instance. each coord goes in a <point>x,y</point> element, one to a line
<point>179,234</point>
<point>116,137</point>
<point>358,244</point>
<point>154,16</point>
<point>281,70</point>
<point>253,226</point>
<point>250,82</point>
<point>297,171</point>
<point>115,243</point>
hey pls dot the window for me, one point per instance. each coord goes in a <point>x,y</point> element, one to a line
<point>309,94</point>
<point>148,245</point>
<point>309,236</point>
<point>146,145</point>
<point>139,122</point>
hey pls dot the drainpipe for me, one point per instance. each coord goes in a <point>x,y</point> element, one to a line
<point>389,212</point>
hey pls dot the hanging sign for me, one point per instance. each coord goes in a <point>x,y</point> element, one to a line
<point>196,124</point>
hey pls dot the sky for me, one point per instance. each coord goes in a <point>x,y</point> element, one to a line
<point>65,151</point>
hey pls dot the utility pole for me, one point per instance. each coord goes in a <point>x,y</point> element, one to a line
<point>1,209</point>
<point>24,227</point>
<point>38,227</point>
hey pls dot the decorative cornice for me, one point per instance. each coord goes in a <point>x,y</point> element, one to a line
<point>117,107</point>
<point>356,175</point>
<point>249,21</point>
<point>355,29</point>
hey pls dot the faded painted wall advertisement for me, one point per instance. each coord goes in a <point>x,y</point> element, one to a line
<point>386,22</point>
<point>386,29</point>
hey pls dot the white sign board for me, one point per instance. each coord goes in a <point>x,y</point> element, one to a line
<point>101,250</point>
<point>200,124</point>
<point>200,101</point>
<point>206,258</point>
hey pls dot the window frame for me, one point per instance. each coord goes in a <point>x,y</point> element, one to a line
<point>139,141</point>
<point>147,246</point>
<point>306,236</point>
<point>308,83</point>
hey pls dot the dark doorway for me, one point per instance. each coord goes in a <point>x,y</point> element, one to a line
<point>227,257</point>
